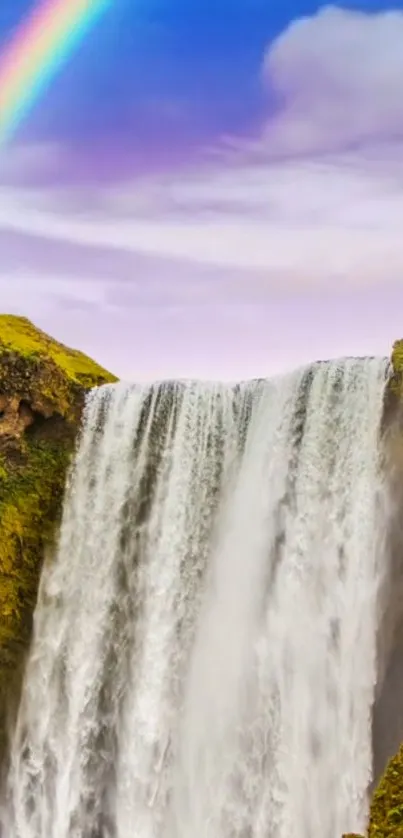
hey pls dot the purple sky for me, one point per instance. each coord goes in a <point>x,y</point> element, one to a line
<point>229,236</point>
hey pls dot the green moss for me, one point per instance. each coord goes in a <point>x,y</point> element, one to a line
<point>18,333</point>
<point>44,372</point>
<point>30,500</point>
<point>397,356</point>
<point>42,391</point>
<point>386,816</point>
<point>396,382</point>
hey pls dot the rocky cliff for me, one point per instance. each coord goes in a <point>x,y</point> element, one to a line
<point>42,392</point>
<point>386,819</point>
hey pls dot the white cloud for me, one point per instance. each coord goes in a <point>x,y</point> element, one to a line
<point>338,77</point>
<point>326,219</point>
<point>302,224</point>
<point>298,211</point>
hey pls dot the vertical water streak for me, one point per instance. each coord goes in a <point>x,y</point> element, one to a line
<point>276,739</point>
<point>203,662</point>
<point>116,610</point>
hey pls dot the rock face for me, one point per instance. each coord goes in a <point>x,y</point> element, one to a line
<point>386,819</point>
<point>42,392</point>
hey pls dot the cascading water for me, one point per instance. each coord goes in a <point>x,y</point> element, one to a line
<point>204,653</point>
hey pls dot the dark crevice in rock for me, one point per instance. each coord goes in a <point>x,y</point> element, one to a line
<point>55,428</point>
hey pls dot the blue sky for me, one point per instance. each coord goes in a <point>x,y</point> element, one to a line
<point>213,189</point>
<point>188,68</point>
<point>202,57</point>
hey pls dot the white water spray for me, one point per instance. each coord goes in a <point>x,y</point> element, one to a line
<point>204,653</point>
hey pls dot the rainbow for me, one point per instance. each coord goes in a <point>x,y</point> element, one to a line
<point>39,48</point>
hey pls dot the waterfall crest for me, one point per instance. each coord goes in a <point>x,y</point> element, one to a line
<point>204,654</point>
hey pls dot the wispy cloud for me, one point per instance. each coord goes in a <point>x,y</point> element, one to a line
<point>312,205</point>
<point>301,224</point>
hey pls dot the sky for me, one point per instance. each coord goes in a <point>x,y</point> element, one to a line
<point>212,188</point>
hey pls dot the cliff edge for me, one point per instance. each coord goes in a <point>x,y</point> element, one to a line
<point>42,392</point>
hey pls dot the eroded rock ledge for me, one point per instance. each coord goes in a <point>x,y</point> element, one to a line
<point>42,392</point>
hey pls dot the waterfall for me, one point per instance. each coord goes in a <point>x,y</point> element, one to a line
<point>204,655</point>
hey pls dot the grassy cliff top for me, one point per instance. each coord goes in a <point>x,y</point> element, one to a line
<point>42,392</point>
<point>42,371</point>
<point>18,334</point>
<point>397,356</point>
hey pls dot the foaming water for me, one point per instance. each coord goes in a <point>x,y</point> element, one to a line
<point>204,654</point>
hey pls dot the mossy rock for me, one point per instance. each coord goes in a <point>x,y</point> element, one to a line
<point>393,412</point>
<point>386,815</point>
<point>48,375</point>
<point>42,392</point>
<point>397,357</point>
